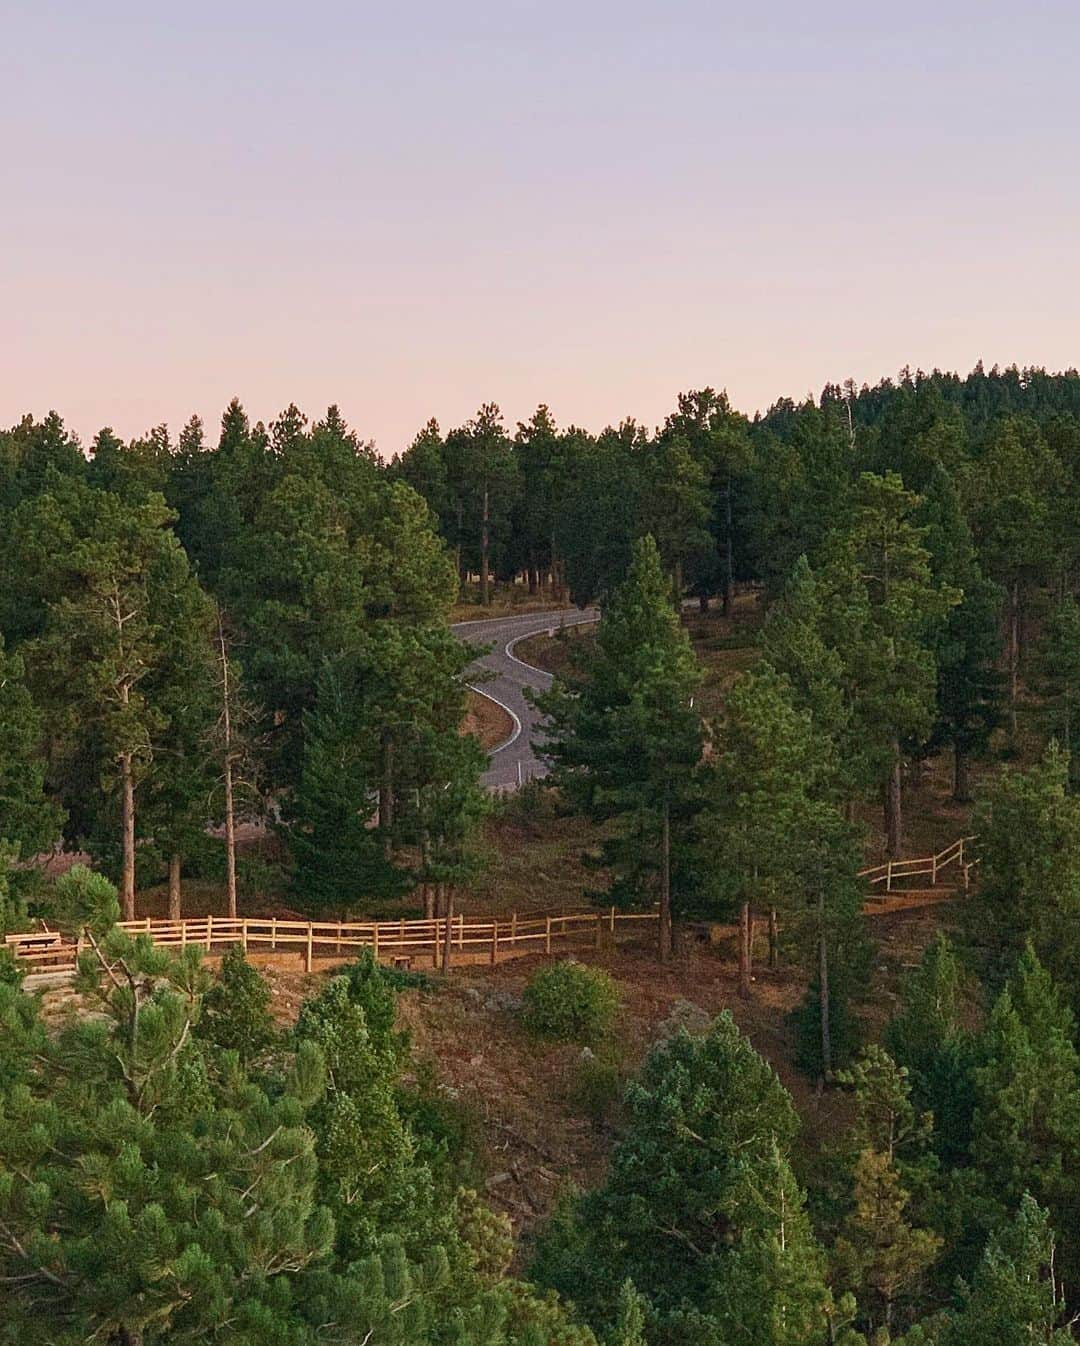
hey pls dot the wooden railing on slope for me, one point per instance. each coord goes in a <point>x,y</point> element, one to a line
<point>887,873</point>
<point>330,939</point>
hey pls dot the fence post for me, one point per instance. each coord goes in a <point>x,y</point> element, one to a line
<point>599,929</point>
<point>612,920</point>
<point>461,931</point>
<point>309,952</point>
<point>888,876</point>
<point>547,935</point>
<point>243,934</point>
<point>375,941</point>
<point>273,933</point>
<point>513,928</point>
<point>494,942</point>
<point>183,934</point>
<point>933,871</point>
<point>209,932</point>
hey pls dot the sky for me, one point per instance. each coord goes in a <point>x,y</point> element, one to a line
<point>410,209</point>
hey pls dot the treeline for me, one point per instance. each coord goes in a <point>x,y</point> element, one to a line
<point>933,524</point>
<point>194,634</point>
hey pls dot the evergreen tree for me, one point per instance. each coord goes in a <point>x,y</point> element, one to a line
<point>928,1039</point>
<point>882,614</point>
<point>1029,874</point>
<point>339,856</point>
<point>717,441</point>
<point>1026,1129</point>
<point>1010,490</point>
<point>967,646</point>
<point>29,821</point>
<point>772,798</point>
<point>879,1255</point>
<point>699,1208</point>
<point>1058,681</point>
<point>236,1009</point>
<point>109,572</point>
<point>627,742</point>
<point>1014,1298</point>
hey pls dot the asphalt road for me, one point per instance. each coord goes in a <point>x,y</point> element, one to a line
<point>513,763</point>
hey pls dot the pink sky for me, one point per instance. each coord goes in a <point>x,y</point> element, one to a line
<point>593,204</point>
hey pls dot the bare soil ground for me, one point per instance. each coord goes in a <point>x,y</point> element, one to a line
<point>488,722</point>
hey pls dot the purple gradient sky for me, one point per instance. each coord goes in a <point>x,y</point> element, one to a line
<point>411,209</point>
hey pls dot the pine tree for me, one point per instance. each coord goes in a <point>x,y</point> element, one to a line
<point>1014,1298</point>
<point>1026,1130</point>
<point>879,1255</point>
<point>1058,681</point>
<point>1029,875</point>
<point>627,742</point>
<point>699,1208</point>
<point>967,645</point>
<point>1010,491</point>
<point>340,860</point>
<point>29,821</point>
<point>928,1039</point>
<point>236,1009</point>
<point>108,571</point>
<point>882,614</point>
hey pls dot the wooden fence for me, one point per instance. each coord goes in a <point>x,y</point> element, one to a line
<point>400,941</point>
<point>46,951</point>
<point>891,871</point>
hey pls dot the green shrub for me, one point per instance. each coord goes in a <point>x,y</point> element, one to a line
<point>236,1009</point>
<point>568,1002</point>
<point>598,1084</point>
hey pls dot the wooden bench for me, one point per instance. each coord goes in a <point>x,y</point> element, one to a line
<point>36,941</point>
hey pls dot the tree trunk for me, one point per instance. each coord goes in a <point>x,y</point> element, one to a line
<point>230,811</point>
<point>745,936</point>
<point>174,886</point>
<point>729,559</point>
<point>677,582</point>
<point>703,604</point>
<point>127,875</point>
<point>1014,652</point>
<point>485,541</point>
<point>774,940</point>
<point>823,991</point>
<point>894,815</point>
<point>665,948</point>
<point>428,893</point>
<point>961,776</point>
<point>448,921</point>
<point>386,793</point>
<point>230,841</point>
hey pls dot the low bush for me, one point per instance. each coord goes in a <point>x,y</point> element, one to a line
<point>569,1002</point>
<point>598,1084</point>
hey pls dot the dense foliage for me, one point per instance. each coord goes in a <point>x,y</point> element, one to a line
<point>569,1002</point>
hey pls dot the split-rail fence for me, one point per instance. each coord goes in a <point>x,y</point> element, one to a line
<point>470,938</point>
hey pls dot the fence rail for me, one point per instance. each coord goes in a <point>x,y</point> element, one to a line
<point>888,873</point>
<point>401,939</point>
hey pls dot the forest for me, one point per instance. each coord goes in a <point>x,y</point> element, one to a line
<point>226,667</point>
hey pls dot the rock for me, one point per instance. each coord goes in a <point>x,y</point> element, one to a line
<point>587,1054</point>
<point>502,1002</point>
<point>685,1014</point>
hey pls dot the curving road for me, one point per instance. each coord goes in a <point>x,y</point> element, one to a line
<point>513,763</point>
